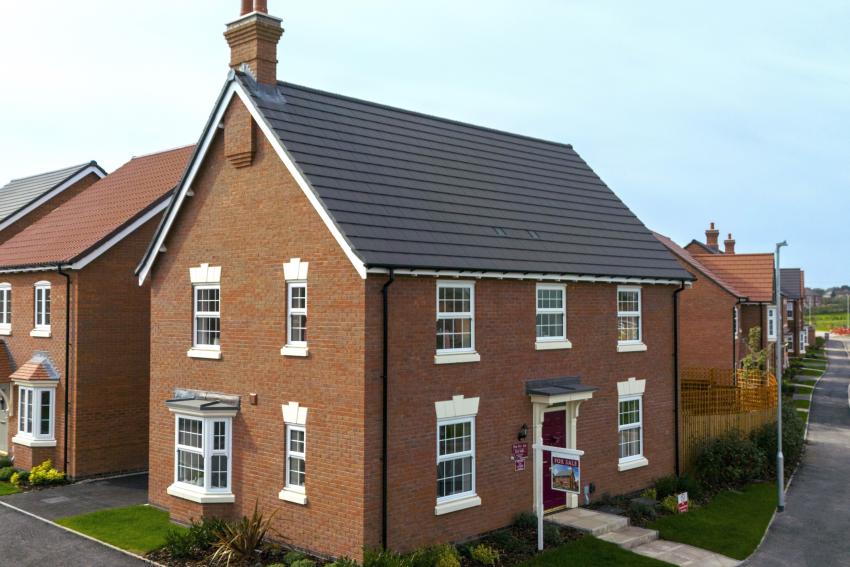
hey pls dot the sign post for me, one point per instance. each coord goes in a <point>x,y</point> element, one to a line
<point>564,476</point>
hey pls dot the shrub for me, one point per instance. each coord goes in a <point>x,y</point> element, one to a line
<point>819,342</point>
<point>384,558</point>
<point>195,541</point>
<point>689,484</point>
<point>666,485</point>
<point>670,503</point>
<point>20,478</point>
<point>437,556</point>
<point>649,494</point>
<point>730,461</point>
<point>641,510</point>
<point>6,473</point>
<point>552,536</point>
<point>45,475</point>
<point>239,541</point>
<point>525,521</point>
<point>506,540</point>
<point>5,462</point>
<point>293,556</point>
<point>303,563</point>
<point>344,562</point>
<point>485,554</point>
<point>793,428</point>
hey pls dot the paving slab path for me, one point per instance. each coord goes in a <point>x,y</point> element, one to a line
<point>814,529</point>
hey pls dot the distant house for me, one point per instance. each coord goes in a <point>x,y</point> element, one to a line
<point>24,201</point>
<point>792,282</point>
<point>75,326</point>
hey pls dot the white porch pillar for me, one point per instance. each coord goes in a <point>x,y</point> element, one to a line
<point>538,469</point>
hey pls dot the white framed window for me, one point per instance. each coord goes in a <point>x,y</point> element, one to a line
<point>36,416</point>
<point>296,457</point>
<point>207,317</point>
<point>551,316</point>
<point>630,428</point>
<point>41,305</point>
<point>771,323</point>
<point>296,320</point>
<point>736,328</point>
<point>5,308</point>
<point>202,457</point>
<point>455,322</point>
<point>789,310</point>
<point>455,459</point>
<point>629,327</point>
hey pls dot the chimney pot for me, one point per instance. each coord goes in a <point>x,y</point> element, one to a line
<point>711,237</point>
<point>729,245</point>
<point>253,40</point>
<point>261,6</point>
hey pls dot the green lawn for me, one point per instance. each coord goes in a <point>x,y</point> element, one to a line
<point>731,524</point>
<point>806,382</point>
<point>589,551</point>
<point>814,362</point>
<point>139,529</point>
<point>8,488</point>
<point>802,404</point>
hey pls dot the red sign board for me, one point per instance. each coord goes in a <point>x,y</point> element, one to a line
<point>519,465</point>
<point>683,502</point>
<point>519,451</point>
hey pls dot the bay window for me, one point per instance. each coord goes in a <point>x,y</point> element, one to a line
<point>36,416</point>
<point>202,458</point>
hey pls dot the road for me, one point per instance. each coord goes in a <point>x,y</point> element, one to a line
<point>815,527</point>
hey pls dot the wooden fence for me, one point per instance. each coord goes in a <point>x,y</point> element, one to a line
<point>715,401</point>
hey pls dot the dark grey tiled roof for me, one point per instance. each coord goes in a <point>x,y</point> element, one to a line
<point>19,193</point>
<point>411,190</point>
<point>791,282</point>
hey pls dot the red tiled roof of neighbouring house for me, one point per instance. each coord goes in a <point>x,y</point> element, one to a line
<point>751,274</point>
<point>7,365</point>
<point>77,227</point>
<point>39,367</point>
<point>691,259</point>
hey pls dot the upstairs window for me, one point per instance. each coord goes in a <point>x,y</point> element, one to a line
<point>551,314</point>
<point>735,325</point>
<point>455,317</point>
<point>629,316</point>
<point>296,325</point>
<point>789,310</point>
<point>5,308</point>
<point>207,332</point>
<point>42,306</point>
<point>771,323</point>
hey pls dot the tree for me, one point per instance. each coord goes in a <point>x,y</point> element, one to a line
<point>757,358</point>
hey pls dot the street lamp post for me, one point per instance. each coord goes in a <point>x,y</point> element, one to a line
<point>780,459</point>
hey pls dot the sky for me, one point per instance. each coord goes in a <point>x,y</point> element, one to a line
<point>731,112</point>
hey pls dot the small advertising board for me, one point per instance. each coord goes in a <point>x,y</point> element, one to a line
<point>683,502</point>
<point>566,472</point>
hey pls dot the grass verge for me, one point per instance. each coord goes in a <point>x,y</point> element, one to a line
<point>138,529</point>
<point>802,404</point>
<point>810,383</point>
<point>589,551</point>
<point>732,524</point>
<point>8,488</point>
<point>811,372</point>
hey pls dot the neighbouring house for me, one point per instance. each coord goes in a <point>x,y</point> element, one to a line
<point>75,326</point>
<point>710,334</point>
<point>793,285</point>
<point>362,317</point>
<point>752,275</point>
<point>26,200</point>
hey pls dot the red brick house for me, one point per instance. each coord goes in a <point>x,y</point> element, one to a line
<point>752,276</point>
<point>75,326</point>
<point>793,286</point>
<point>363,316</point>
<point>24,201</point>
<point>710,333</point>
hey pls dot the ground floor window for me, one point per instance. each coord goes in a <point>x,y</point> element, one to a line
<point>455,458</point>
<point>203,453</point>
<point>35,413</point>
<point>296,457</point>
<point>631,428</point>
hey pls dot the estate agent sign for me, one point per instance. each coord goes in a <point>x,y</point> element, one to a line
<point>566,472</point>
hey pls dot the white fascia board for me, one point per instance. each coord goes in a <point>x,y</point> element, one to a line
<point>50,194</point>
<point>234,88</point>
<point>526,276</point>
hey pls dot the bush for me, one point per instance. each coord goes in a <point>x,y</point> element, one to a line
<point>793,428</point>
<point>666,485</point>
<point>506,540</point>
<point>689,484</point>
<point>344,562</point>
<point>649,494</point>
<point>5,462</point>
<point>45,475</point>
<point>670,503</point>
<point>552,536</point>
<point>730,461</point>
<point>303,563</point>
<point>525,521</point>
<point>445,555</point>
<point>819,342</point>
<point>293,556</point>
<point>384,558</point>
<point>640,510</point>
<point>196,540</point>
<point>485,554</point>
<point>20,478</point>
<point>239,541</point>
<point>6,473</point>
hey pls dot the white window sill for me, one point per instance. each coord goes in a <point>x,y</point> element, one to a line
<point>552,345</point>
<point>207,353</point>
<point>31,442</point>
<point>457,505</point>
<point>456,358</point>
<point>42,333</point>
<point>200,497</point>
<point>632,464</point>
<point>5,330</point>
<point>291,350</point>
<point>293,496</point>
<point>631,347</point>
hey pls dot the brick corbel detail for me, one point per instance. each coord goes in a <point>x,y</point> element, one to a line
<point>239,136</point>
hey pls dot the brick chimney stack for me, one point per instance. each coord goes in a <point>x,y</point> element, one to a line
<point>729,244</point>
<point>253,41</point>
<point>711,237</point>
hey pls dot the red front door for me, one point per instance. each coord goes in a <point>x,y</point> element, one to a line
<point>554,435</point>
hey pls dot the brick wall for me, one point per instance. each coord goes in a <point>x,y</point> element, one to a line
<point>48,206</point>
<point>250,221</point>
<point>706,339</point>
